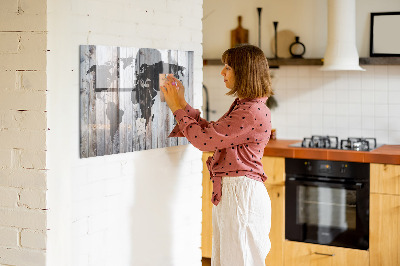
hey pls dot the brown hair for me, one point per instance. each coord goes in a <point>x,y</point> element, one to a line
<point>250,66</point>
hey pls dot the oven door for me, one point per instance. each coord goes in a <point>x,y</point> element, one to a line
<point>327,213</point>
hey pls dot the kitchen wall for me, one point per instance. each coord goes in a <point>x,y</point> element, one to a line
<point>139,208</point>
<point>343,103</point>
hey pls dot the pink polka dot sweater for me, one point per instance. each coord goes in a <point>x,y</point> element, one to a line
<point>238,139</point>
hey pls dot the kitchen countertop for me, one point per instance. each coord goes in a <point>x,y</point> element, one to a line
<point>389,154</point>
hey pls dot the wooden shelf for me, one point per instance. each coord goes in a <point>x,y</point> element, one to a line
<point>380,61</point>
<point>273,63</point>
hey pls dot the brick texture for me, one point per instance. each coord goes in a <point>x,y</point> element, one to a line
<point>23,125</point>
<point>18,256</point>
<point>9,237</point>
<point>23,178</point>
<point>33,199</point>
<point>33,239</point>
<point>8,197</point>
<point>23,218</point>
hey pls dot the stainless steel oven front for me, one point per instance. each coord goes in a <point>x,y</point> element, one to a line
<point>327,202</point>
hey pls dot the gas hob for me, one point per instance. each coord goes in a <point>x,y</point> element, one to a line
<point>332,142</point>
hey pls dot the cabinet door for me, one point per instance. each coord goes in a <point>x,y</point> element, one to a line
<point>277,233</point>
<point>384,230</point>
<point>385,178</point>
<point>206,226</point>
<point>304,254</point>
<point>274,168</point>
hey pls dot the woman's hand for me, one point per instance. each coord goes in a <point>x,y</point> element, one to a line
<point>174,93</point>
<point>181,91</point>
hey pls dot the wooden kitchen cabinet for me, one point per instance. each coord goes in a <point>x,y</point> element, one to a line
<point>305,254</point>
<point>384,236</point>
<point>385,178</point>
<point>206,225</point>
<point>385,215</point>
<point>274,168</point>
<point>277,233</point>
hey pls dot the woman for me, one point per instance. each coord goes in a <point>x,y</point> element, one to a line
<point>242,208</point>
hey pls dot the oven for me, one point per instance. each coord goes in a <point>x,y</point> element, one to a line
<point>327,202</point>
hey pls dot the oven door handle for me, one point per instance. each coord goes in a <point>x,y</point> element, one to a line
<point>357,185</point>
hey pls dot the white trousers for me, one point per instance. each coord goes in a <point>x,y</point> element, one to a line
<point>241,223</point>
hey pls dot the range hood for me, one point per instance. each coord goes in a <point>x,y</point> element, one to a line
<point>341,51</point>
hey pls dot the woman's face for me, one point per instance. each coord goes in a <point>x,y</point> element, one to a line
<point>229,76</point>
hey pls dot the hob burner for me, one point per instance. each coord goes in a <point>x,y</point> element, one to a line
<point>332,142</point>
<point>328,142</point>
<point>358,144</point>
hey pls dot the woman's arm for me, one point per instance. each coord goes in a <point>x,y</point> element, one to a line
<point>239,127</point>
<point>174,93</point>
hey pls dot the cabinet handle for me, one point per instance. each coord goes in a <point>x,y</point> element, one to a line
<point>324,254</point>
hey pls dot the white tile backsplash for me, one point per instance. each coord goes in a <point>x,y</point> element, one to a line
<point>342,109</point>
<point>304,72</point>
<point>329,109</point>
<point>394,110</point>
<point>381,96</point>
<point>380,84</point>
<point>394,137</point>
<point>367,96</point>
<point>355,109</point>
<point>393,71</point>
<point>380,71</point>
<point>394,123</point>
<point>342,96</point>
<point>394,97</point>
<point>354,132</point>
<point>381,110</point>
<point>316,82</point>
<point>342,123</point>
<point>382,136</point>
<point>355,96</point>
<point>368,123</point>
<point>304,82</point>
<point>292,83</point>
<point>342,103</point>
<point>342,81</point>
<point>394,83</point>
<point>381,122</point>
<point>367,109</point>
<point>291,71</point>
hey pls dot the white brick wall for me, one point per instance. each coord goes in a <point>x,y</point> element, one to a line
<point>9,237</point>
<point>33,239</point>
<point>139,208</point>
<point>23,132</point>
<point>8,197</point>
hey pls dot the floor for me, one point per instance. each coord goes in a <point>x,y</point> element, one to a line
<point>206,261</point>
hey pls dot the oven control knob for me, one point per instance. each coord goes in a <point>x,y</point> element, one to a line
<point>343,168</point>
<point>308,166</point>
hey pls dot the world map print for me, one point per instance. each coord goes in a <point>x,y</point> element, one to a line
<point>121,108</point>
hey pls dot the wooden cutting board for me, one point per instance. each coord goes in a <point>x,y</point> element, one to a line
<point>239,35</point>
